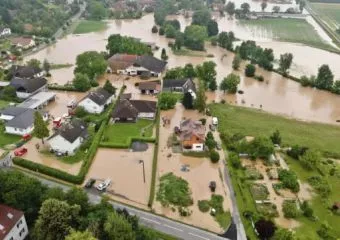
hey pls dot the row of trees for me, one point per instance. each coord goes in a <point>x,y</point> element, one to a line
<point>54,214</point>
<point>128,45</point>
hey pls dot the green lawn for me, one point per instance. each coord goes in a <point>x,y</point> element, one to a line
<point>86,26</point>
<point>5,138</point>
<point>322,137</point>
<point>120,133</point>
<point>288,30</point>
<point>329,12</point>
<point>3,104</point>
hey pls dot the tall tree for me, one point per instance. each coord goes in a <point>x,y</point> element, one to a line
<point>117,227</point>
<point>325,78</point>
<point>276,9</point>
<point>230,83</point>
<point>263,6</point>
<point>81,82</point>
<point>188,101</point>
<point>230,9</point>
<point>109,87</point>
<point>75,235</point>
<point>245,8</point>
<point>200,103</point>
<point>302,5</point>
<point>236,62</point>
<point>212,28</point>
<point>201,17</point>
<point>46,66</point>
<point>206,72</point>
<point>194,37</point>
<point>56,218</point>
<point>265,228</point>
<point>40,127</point>
<point>77,196</point>
<point>91,63</point>
<point>189,71</point>
<point>164,57</point>
<point>285,62</point>
<point>128,45</point>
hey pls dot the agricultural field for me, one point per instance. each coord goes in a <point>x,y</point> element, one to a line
<point>288,30</point>
<point>250,122</point>
<point>329,12</point>
<point>87,26</point>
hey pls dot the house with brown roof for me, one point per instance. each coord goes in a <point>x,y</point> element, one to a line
<point>12,224</point>
<point>134,65</point>
<point>23,42</point>
<point>192,135</point>
<point>132,110</point>
<point>149,87</point>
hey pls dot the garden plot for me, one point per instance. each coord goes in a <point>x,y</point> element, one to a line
<point>198,173</point>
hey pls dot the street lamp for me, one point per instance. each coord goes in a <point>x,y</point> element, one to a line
<point>142,162</point>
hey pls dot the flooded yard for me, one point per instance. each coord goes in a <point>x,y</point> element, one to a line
<point>48,160</point>
<point>123,167</point>
<point>202,171</point>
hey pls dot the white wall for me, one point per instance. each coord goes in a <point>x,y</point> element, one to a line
<point>27,95</point>
<point>19,131</point>
<point>6,31</point>
<point>20,227</point>
<point>146,115</point>
<point>6,117</point>
<point>92,107</point>
<point>60,144</point>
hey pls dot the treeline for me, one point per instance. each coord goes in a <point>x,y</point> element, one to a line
<point>54,214</point>
<point>36,17</point>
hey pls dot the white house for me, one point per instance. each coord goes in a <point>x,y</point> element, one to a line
<point>4,31</point>
<point>132,110</point>
<point>19,121</point>
<point>69,137</point>
<point>26,87</point>
<point>13,224</point>
<point>96,101</point>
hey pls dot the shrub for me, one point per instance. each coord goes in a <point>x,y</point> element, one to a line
<point>80,112</point>
<point>250,70</point>
<point>235,160</point>
<point>203,205</point>
<point>307,210</point>
<point>214,156</point>
<point>161,31</point>
<point>296,151</point>
<point>259,78</point>
<point>203,121</point>
<point>61,87</point>
<point>289,180</point>
<point>154,29</point>
<point>290,209</point>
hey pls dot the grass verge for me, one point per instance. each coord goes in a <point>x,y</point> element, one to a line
<point>250,122</point>
<point>86,26</point>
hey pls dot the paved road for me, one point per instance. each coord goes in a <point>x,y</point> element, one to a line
<point>162,224</point>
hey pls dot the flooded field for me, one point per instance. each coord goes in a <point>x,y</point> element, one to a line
<point>202,171</point>
<point>49,160</point>
<point>126,172</point>
<point>276,94</point>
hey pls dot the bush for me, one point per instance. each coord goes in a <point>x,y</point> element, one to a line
<point>80,112</point>
<point>203,121</point>
<point>296,151</point>
<point>290,209</point>
<point>203,205</point>
<point>214,156</point>
<point>259,78</point>
<point>307,210</point>
<point>250,70</point>
<point>66,87</point>
<point>235,160</point>
<point>289,180</point>
<point>154,29</point>
<point>161,31</point>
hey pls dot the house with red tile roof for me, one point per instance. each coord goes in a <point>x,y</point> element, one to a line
<point>13,224</point>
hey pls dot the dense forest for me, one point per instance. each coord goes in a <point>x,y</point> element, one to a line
<point>36,17</point>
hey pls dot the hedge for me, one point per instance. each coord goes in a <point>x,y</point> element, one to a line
<point>62,87</point>
<point>127,145</point>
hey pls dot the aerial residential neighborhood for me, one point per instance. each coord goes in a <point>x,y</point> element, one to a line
<point>169,119</point>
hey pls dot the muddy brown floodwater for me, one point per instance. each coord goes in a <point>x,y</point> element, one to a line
<point>276,94</point>
<point>126,173</point>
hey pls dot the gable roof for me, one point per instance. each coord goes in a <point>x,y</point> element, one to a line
<point>191,128</point>
<point>131,108</point>
<point>24,41</point>
<point>72,130</point>
<point>8,218</point>
<point>149,86</point>
<point>100,96</point>
<point>171,83</point>
<point>23,120</point>
<point>151,63</point>
<point>13,111</point>
<point>24,71</point>
<point>28,84</point>
<point>121,61</point>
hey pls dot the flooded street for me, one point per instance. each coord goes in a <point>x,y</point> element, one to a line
<point>276,94</point>
<point>126,173</point>
<point>202,171</point>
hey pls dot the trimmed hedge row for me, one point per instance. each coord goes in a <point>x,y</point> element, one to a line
<point>127,145</point>
<point>62,87</point>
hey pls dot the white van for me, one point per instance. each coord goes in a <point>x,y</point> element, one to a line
<point>103,185</point>
<point>215,121</point>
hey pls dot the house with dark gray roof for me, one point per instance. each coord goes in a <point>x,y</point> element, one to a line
<point>96,101</point>
<point>26,71</point>
<point>132,110</point>
<point>136,65</point>
<point>19,121</point>
<point>26,87</point>
<point>68,138</point>
<point>179,85</point>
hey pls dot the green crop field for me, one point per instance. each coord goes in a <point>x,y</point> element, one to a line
<point>329,12</point>
<point>86,26</point>
<point>287,30</point>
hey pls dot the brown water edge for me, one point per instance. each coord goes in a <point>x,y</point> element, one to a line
<point>126,173</point>
<point>202,171</point>
<point>48,160</point>
<point>277,94</point>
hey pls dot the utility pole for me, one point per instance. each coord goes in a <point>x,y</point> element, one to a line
<point>142,162</point>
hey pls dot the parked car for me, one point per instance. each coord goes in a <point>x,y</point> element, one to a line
<point>90,183</point>
<point>103,185</point>
<point>215,121</point>
<point>20,152</point>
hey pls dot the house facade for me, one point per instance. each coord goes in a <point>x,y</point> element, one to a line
<point>179,85</point>
<point>69,137</point>
<point>149,88</point>
<point>96,101</point>
<point>13,224</point>
<point>26,87</point>
<point>132,110</point>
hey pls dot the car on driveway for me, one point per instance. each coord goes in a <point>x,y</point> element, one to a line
<point>20,152</point>
<point>90,183</point>
<point>103,185</point>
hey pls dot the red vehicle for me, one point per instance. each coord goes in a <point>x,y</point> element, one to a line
<point>20,152</point>
<point>26,137</point>
<point>57,122</point>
